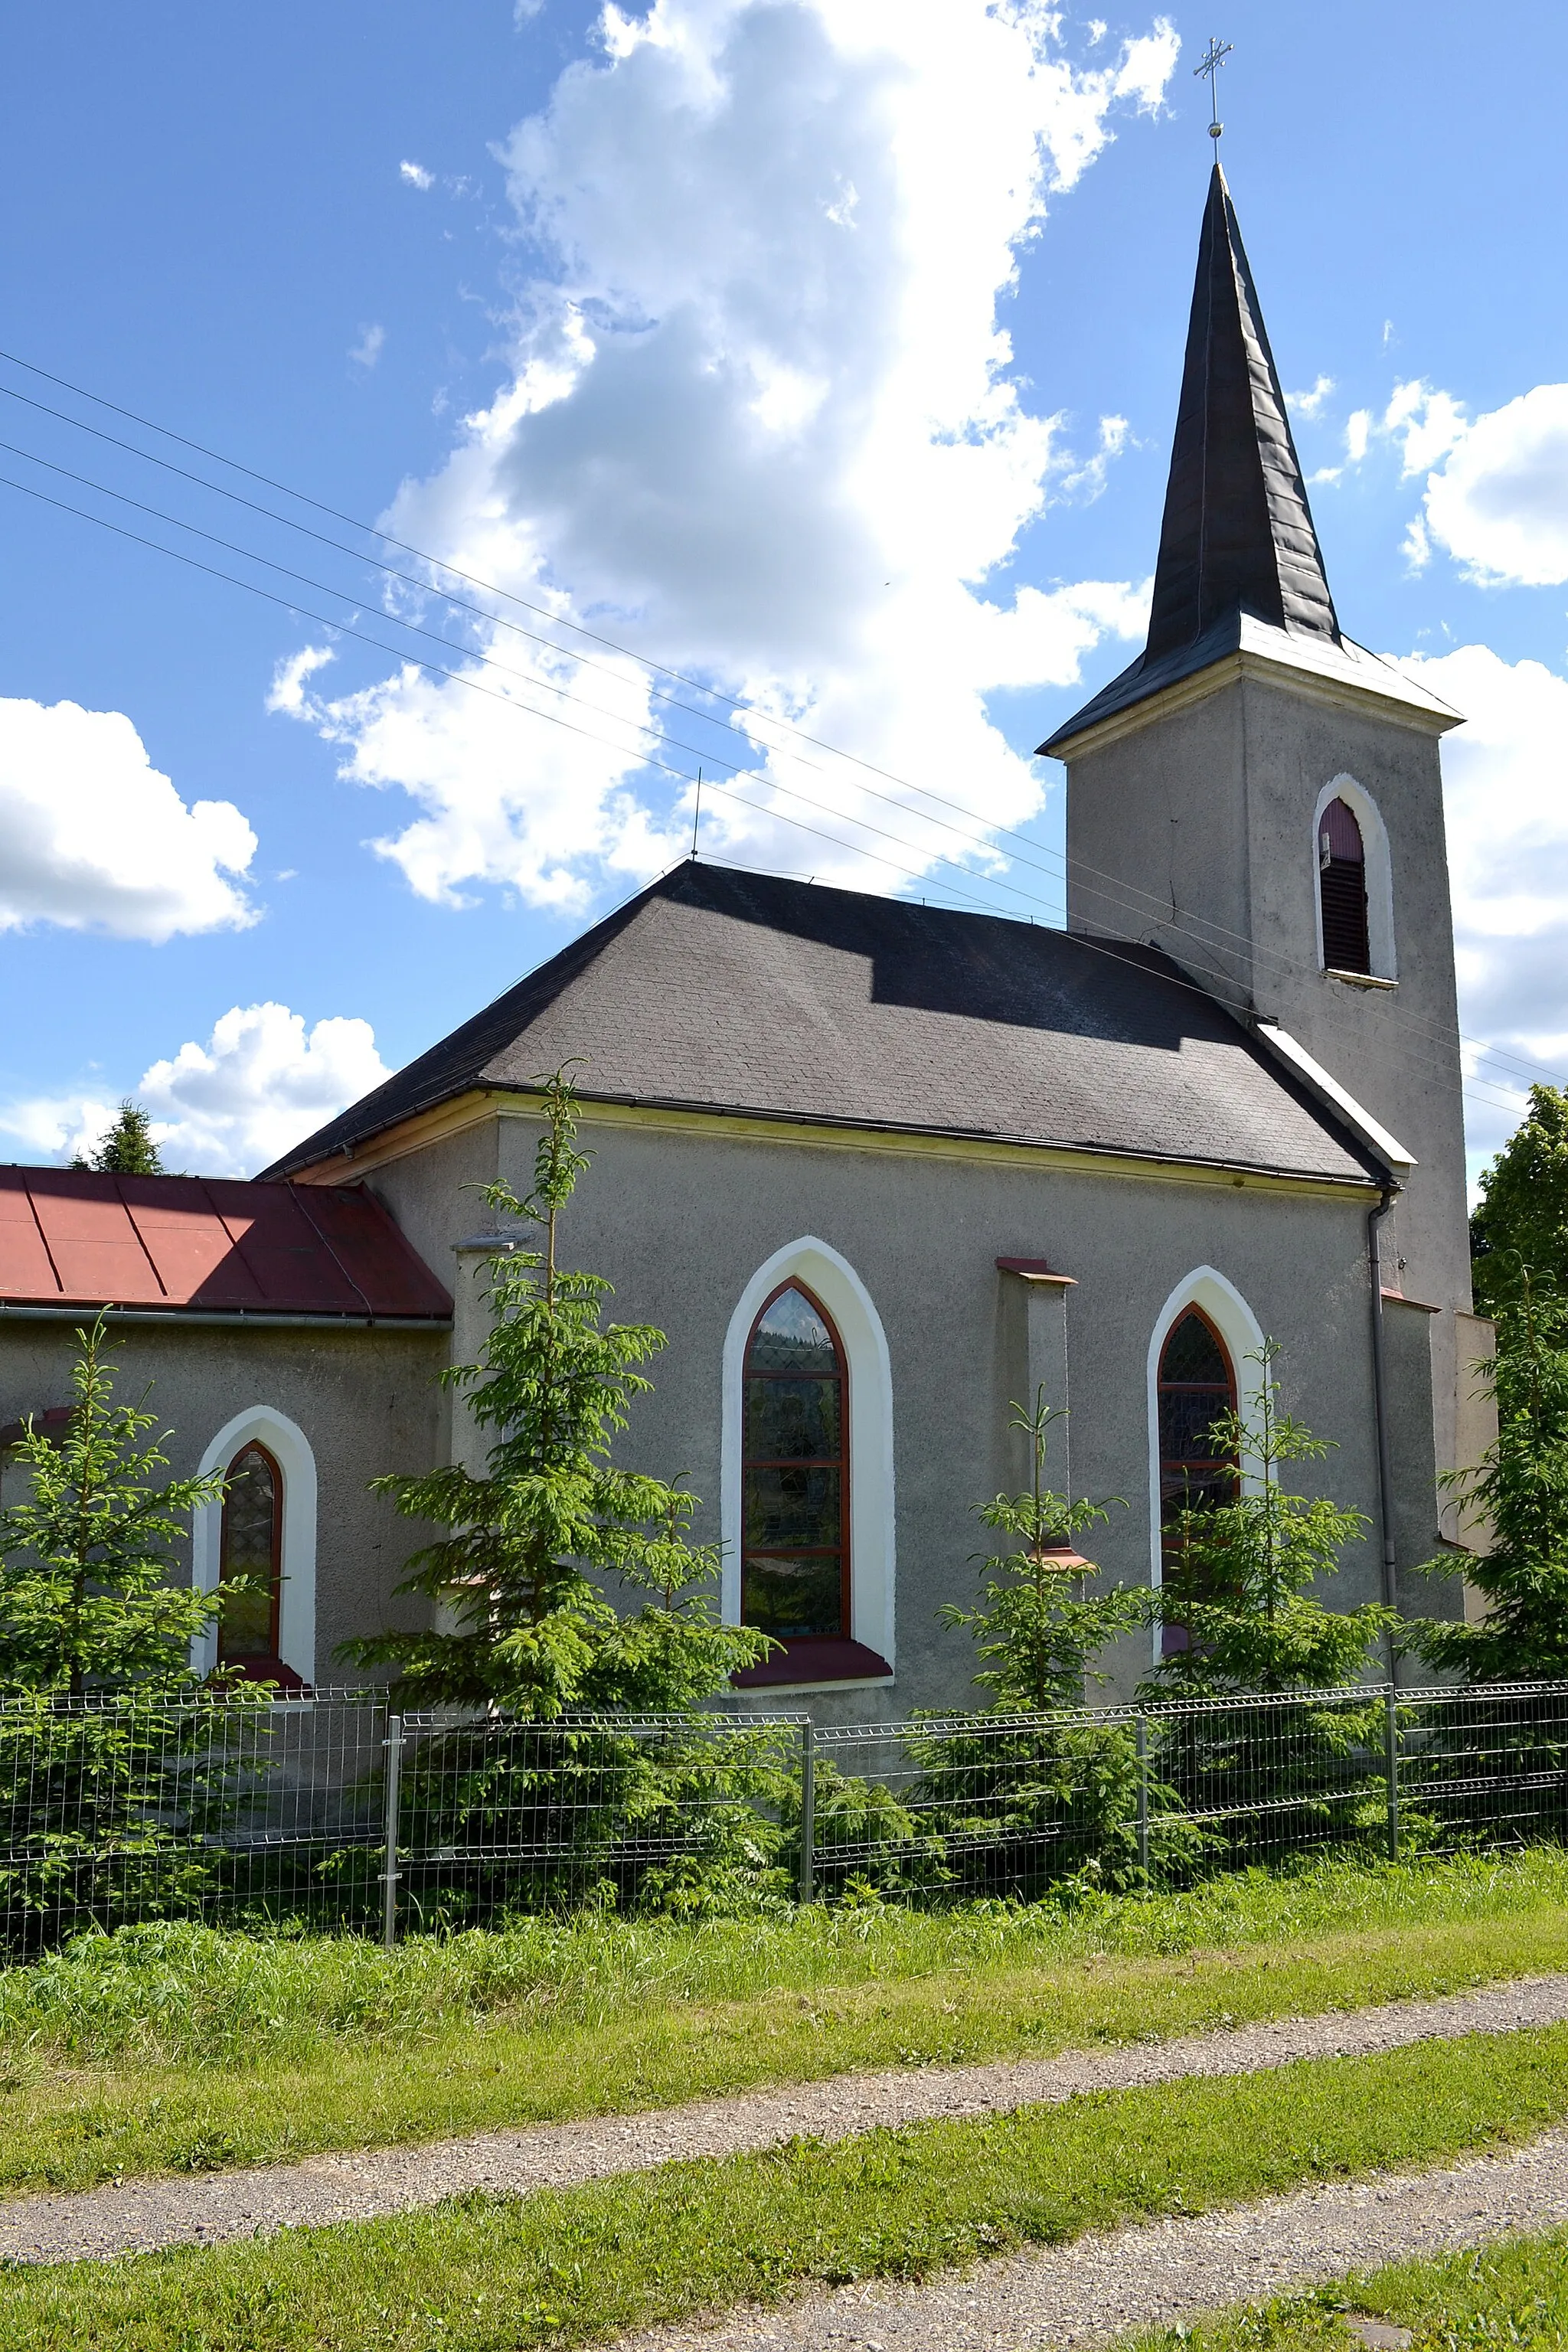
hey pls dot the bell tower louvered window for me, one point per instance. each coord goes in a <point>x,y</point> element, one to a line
<point>1342,890</point>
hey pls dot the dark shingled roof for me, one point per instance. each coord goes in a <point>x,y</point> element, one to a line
<point>722,991</point>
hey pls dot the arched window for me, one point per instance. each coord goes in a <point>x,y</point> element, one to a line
<point>1197,1385</point>
<point>252,1548</point>
<point>1342,889</point>
<point>794,1571</point>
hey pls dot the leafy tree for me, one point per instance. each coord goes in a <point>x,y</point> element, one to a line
<point>1033,1627</point>
<point>128,1149</point>
<point>86,1557</point>
<point>1522,1220</point>
<point>1519,1236</point>
<point>1521,1487</point>
<point>1246,1565</point>
<point>517,1569</point>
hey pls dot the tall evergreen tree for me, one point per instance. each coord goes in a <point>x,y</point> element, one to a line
<point>519,1571</point>
<point>128,1149</point>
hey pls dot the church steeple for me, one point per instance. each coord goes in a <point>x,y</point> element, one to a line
<point>1239,568</point>
<point>1238,533</point>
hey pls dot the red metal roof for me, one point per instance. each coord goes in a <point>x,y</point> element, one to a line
<point>71,1237</point>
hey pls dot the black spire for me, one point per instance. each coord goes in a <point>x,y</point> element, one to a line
<point>1238,532</point>
<point>1236,542</point>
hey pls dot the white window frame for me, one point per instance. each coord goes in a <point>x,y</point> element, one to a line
<point>1233,1318</point>
<point>1381,954</point>
<point>819,1268</point>
<point>263,1424</point>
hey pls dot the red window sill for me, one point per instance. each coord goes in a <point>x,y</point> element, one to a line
<point>818,1660</point>
<point>264,1670</point>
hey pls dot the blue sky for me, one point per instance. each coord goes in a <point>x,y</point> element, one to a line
<point>685,326</point>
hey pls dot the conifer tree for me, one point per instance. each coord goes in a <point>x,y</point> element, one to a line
<point>520,1570</point>
<point>1035,1628</point>
<point>1247,1565</point>
<point>1034,1802</point>
<point>128,1149</point>
<point>86,1557</point>
<point>1271,1779</point>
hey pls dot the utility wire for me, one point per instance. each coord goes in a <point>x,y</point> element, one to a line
<point>1215,974</point>
<point>1119,894</point>
<point>1122,892</point>
<point>553,718</point>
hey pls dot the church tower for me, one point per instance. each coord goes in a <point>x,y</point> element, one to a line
<point>1260,797</point>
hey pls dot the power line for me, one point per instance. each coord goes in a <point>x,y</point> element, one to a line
<point>555,719</point>
<point>1119,894</point>
<point>1122,892</point>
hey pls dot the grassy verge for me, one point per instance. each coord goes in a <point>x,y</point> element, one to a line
<point>171,2050</point>
<point>575,2266</point>
<point>1513,2293</point>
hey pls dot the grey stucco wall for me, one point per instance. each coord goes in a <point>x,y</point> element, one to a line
<point>1204,817</point>
<point>368,1401</point>
<point>680,1221</point>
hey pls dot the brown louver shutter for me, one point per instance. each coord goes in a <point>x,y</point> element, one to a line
<point>1342,890</point>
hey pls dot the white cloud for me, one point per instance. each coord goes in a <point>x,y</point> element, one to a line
<point>1083,481</point>
<point>763,424</point>
<point>93,837</point>
<point>1500,504</point>
<point>417,176</point>
<point>1426,422</point>
<point>367,351</point>
<point>286,693</point>
<point>1311,403</point>
<point>261,1083</point>
<point>1506,788</point>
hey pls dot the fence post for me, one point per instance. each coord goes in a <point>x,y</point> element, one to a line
<point>807,1812</point>
<point>394,1746</point>
<point>1391,1767</point>
<point>1144,1796</point>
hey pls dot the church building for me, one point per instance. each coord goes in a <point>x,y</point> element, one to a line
<point>879,1169</point>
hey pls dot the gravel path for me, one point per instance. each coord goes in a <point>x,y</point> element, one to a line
<point>1164,2273</point>
<point>134,2216</point>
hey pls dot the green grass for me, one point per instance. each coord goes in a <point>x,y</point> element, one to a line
<point>575,2266</point>
<point>172,2049</point>
<point>1513,2293</point>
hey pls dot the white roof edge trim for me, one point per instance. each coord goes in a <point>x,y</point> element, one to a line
<point>1361,1121</point>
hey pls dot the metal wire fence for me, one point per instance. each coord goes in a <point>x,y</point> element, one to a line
<point>330,1811</point>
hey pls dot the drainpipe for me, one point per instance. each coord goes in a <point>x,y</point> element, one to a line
<point>1380,1406</point>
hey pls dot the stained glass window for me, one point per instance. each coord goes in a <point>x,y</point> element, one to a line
<point>252,1549</point>
<point>1342,890</point>
<point>795,1549</point>
<point>1197,1385</point>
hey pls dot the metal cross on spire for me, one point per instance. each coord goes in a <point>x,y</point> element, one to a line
<point>1213,57</point>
